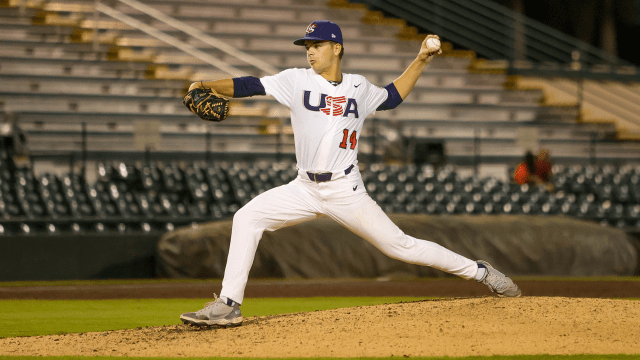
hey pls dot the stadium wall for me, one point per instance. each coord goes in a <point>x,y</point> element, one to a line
<point>71,257</point>
<point>516,244</point>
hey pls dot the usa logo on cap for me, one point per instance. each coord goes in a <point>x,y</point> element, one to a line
<point>321,30</point>
<point>310,28</point>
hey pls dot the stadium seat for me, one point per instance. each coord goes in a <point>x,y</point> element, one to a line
<point>126,197</point>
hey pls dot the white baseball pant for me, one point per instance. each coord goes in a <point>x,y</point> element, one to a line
<point>303,200</point>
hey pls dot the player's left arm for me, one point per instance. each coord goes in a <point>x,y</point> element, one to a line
<point>405,83</point>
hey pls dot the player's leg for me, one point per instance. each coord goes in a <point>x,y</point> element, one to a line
<point>277,208</point>
<point>352,207</point>
<point>366,219</point>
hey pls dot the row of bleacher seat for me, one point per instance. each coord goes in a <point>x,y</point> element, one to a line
<point>607,194</point>
<point>491,141</point>
<point>112,86</point>
<point>83,85</point>
<point>159,196</point>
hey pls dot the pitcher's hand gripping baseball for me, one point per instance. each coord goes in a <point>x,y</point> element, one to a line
<point>207,104</point>
<point>430,47</point>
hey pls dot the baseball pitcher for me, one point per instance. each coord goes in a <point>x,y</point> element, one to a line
<point>328,109</point>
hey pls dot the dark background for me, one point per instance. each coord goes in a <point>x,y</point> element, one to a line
<point>613,25</point>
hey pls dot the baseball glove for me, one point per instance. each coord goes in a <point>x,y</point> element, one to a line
<point>207,104</point>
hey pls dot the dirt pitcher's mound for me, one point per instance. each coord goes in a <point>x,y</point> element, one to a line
<point>456,327</point>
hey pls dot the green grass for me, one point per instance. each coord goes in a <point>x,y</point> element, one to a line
<point>495,357</point>
<point>45,317</point>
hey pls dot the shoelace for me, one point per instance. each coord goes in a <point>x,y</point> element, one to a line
<point>209,305</point>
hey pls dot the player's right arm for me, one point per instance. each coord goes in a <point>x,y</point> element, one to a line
<point>280,86</point>
<point>237,87</point>
<point>400,88</point>
<point>223,87</point>
<point>405,83</point>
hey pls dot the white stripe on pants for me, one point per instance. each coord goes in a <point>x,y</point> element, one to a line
<point>303,200</point>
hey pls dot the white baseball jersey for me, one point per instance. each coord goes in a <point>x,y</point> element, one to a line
<point>326,122</point>
<point>326,119</point>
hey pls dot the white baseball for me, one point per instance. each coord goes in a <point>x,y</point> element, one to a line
<point>433,43</point>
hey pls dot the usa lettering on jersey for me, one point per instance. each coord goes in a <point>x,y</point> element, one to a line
<point>332,105</point>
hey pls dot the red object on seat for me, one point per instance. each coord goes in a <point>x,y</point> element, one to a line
<point>521,175</point>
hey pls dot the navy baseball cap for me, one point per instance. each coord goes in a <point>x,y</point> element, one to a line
<point>322,30</point>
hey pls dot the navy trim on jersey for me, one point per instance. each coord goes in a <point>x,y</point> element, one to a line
<point>393,100</point>
<point>246,86</point>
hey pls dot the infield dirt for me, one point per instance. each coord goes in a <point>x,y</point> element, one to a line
<point>449,327</point>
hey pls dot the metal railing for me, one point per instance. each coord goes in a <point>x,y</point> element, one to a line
<point>179,44</point>
<point>494,31</point>
<point>521,45</point>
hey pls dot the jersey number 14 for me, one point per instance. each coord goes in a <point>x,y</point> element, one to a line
<point>352,139</point>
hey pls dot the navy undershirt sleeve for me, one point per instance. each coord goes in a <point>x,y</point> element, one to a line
<point>246,86</point>
<point>393,100</point>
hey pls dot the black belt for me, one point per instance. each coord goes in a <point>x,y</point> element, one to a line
<point>322,177</point>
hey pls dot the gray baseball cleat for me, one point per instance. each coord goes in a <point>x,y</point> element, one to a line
<point>216,312</point>
<point>498,282</point>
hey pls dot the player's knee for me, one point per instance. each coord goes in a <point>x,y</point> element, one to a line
<point>246,224</point>
<point>392,252</point>
<point>397,247</point>
<point>243,216</point>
